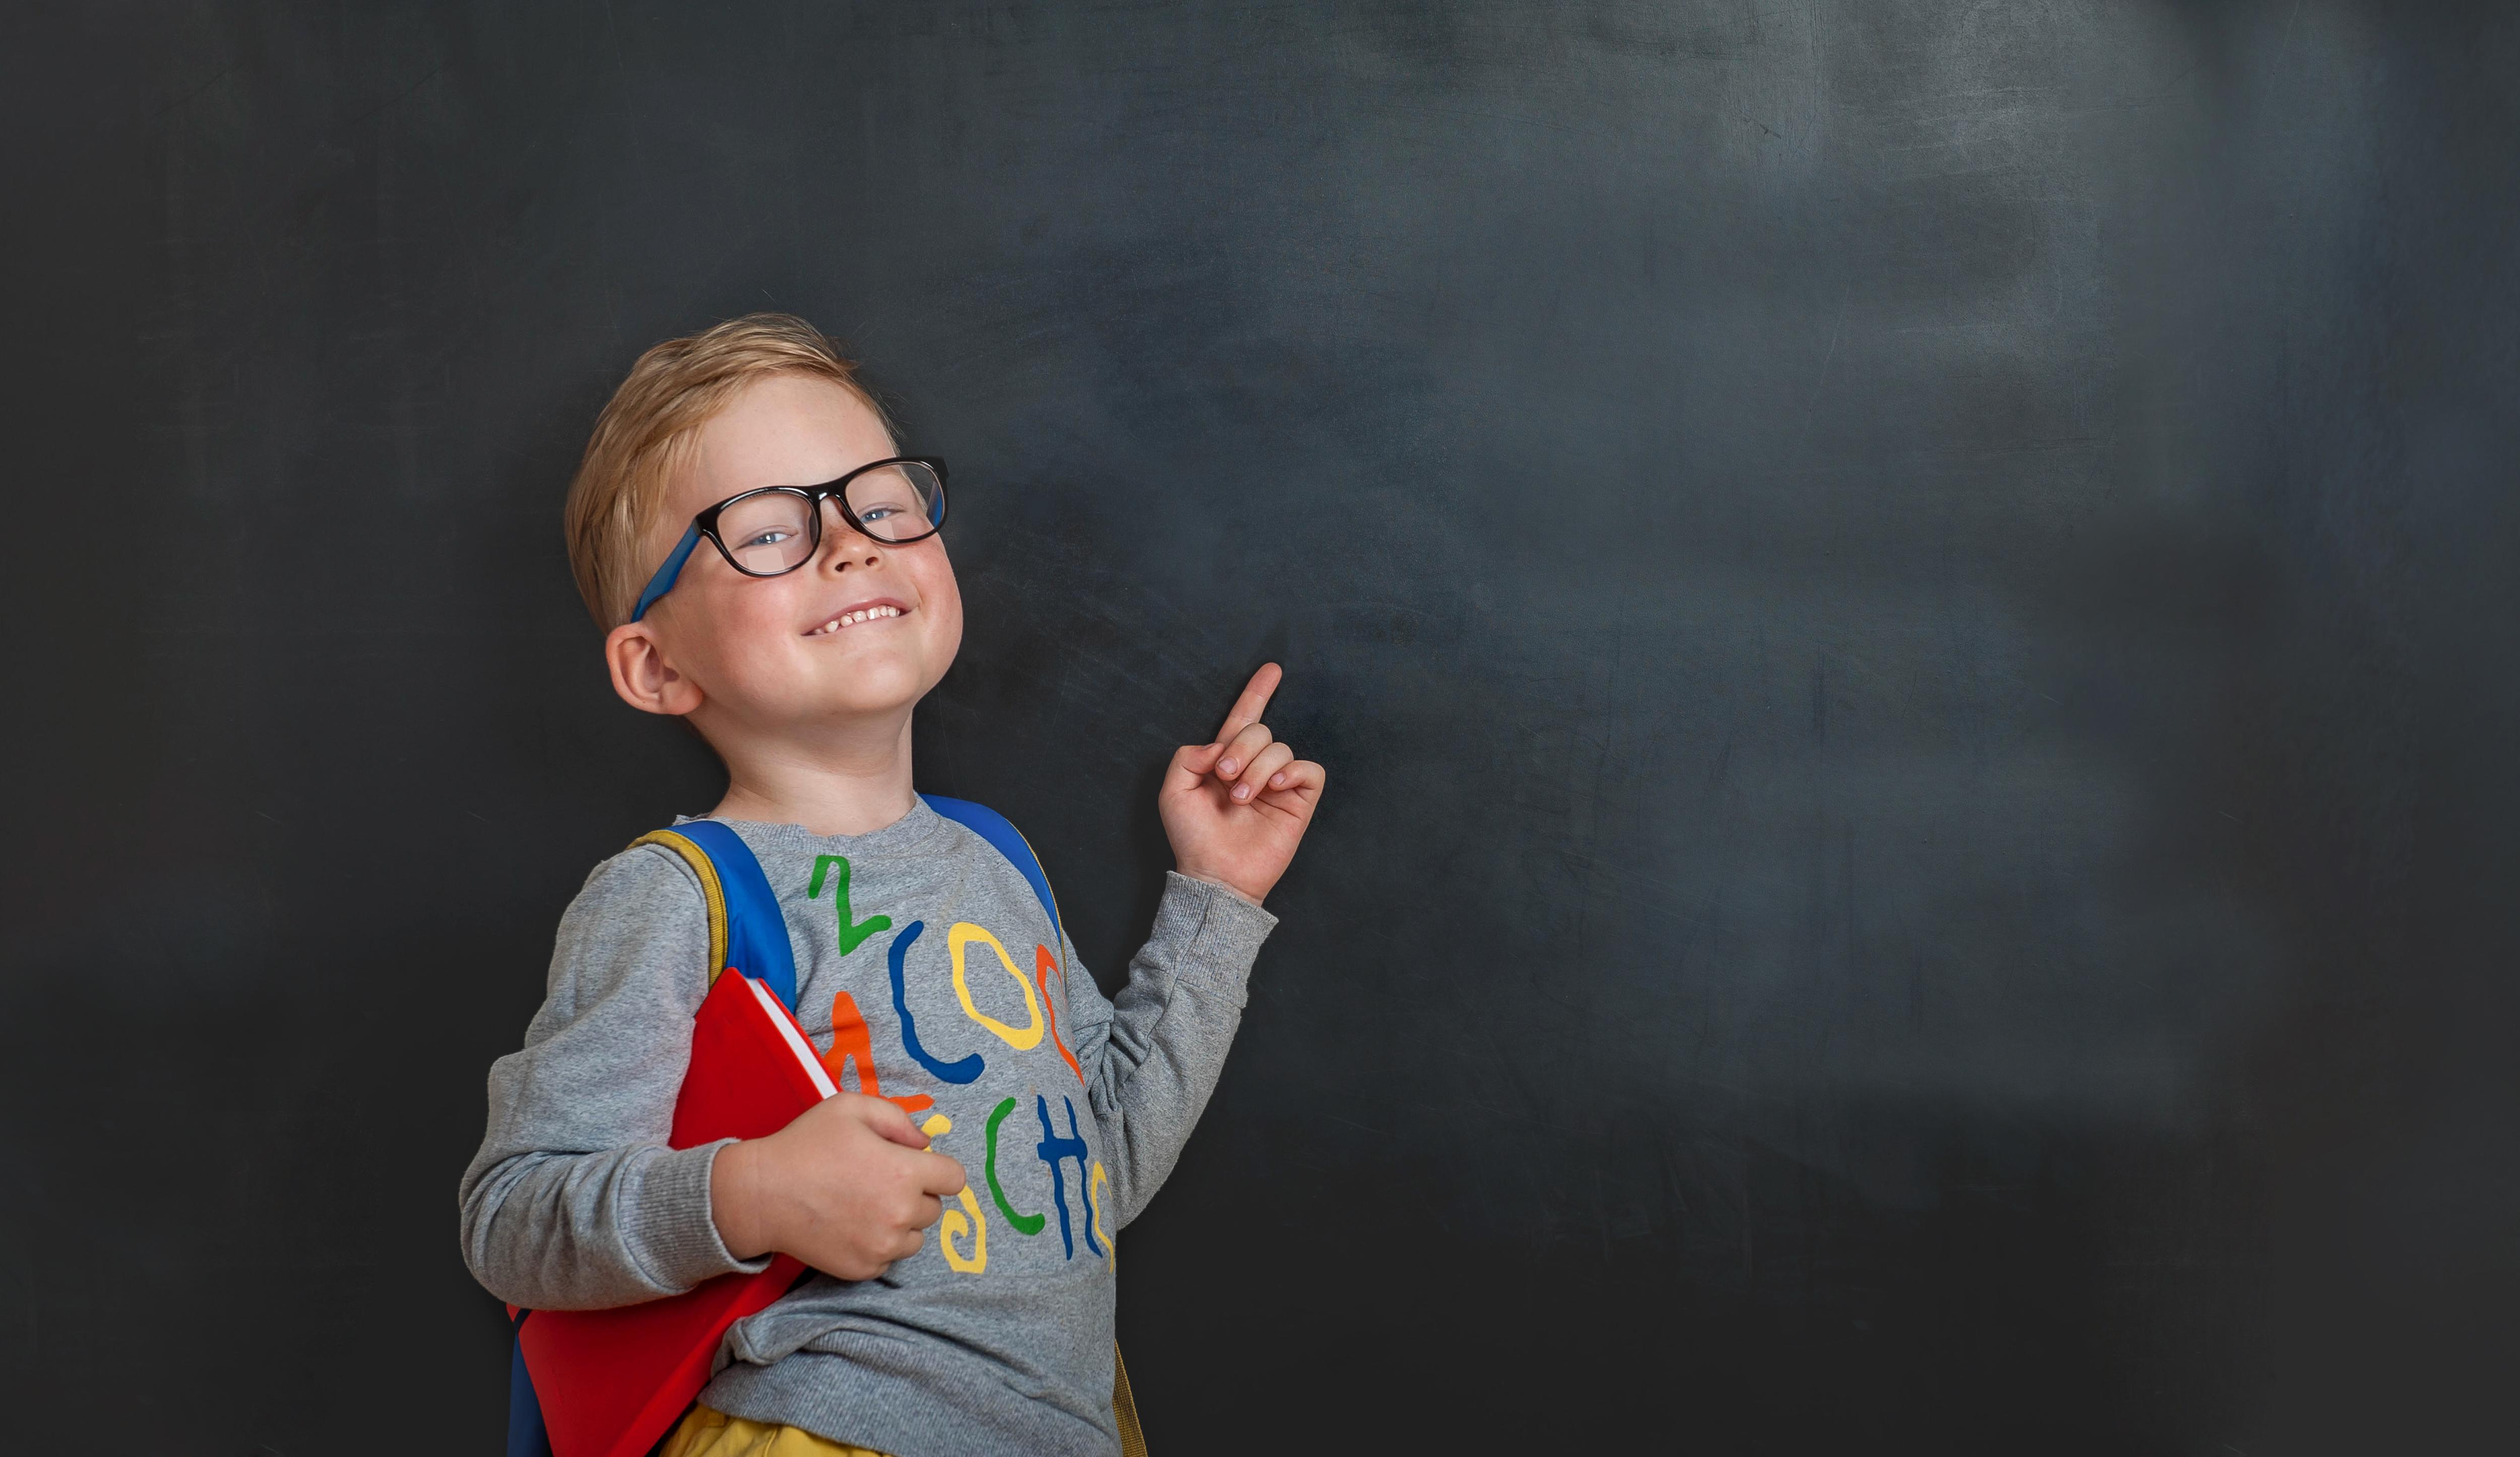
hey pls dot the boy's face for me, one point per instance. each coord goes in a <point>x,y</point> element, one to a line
<point>759,654</point>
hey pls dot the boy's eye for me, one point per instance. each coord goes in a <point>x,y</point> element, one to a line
<point>893,503</point>
<point>770,536</point>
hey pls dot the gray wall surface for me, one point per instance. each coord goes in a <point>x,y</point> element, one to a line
<point>1911,608</point>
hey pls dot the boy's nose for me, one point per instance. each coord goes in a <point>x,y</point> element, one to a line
<point>843,545</point>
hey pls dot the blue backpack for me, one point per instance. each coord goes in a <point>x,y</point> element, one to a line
<point>746,930</point>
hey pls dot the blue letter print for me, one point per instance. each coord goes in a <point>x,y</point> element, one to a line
<point>1055,1150</point>
<point>962,1070</point>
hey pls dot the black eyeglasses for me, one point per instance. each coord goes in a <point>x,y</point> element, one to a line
<point>775,530</point>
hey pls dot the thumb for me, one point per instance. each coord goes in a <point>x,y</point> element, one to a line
<point>943,1176</point>
<point>886,1117</point>
<point>1192,762</point>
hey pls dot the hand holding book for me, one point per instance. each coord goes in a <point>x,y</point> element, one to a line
<point>848,1187</point>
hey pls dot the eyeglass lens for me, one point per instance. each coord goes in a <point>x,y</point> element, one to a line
<point>773,531</point>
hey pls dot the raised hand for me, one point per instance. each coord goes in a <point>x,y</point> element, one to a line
<point>1236,809</point>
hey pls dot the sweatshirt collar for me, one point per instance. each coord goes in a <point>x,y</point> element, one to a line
<point>902,836</point>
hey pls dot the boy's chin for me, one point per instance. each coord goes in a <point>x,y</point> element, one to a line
<point>871,690</point>
<point>811,698</point>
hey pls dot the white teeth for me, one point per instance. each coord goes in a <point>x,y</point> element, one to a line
<point>851,619</point>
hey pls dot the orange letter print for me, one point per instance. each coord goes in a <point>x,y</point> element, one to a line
<point>1042,964</point>
<point>851,1043</point>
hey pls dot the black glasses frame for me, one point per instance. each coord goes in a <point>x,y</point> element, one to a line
<point>705,522</point>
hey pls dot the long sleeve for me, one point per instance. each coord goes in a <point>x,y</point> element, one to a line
<point>1152,1057</point>
<point>574,1202</point>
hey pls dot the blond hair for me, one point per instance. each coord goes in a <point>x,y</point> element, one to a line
<point>648,427</point>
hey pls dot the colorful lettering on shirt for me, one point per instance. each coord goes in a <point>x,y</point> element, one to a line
<point>963,1236</point>
<point>1042,963</point>
<point>1054,1151</point>
<point>852,1042</point>
<point>1026,1224</point>
<point>852,936</point>
<point>960,1070</point>
<point>954,1223</point>
<point>957,939</point>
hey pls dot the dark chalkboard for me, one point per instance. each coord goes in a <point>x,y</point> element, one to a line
<point>1912,606</point>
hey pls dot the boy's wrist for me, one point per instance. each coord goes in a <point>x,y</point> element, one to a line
<point>734,1176</point>
<point>1222,883</point>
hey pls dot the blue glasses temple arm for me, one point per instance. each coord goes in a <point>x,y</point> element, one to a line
<point>664,582</point>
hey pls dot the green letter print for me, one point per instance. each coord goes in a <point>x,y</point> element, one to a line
<point>1029,1224</point>
<point>852,936</point>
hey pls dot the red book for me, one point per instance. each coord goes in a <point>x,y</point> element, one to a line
<point>612,1381</point>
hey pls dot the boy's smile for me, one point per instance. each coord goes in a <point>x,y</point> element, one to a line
<point>881,609</point>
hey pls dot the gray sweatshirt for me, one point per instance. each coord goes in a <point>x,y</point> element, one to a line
<point>1067,1110</point>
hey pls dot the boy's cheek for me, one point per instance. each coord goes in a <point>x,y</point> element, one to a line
<point>948,649</point>
<point>737,650</point>
<point>942,596</point>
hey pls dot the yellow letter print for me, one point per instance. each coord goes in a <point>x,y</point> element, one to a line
<point>964,934</point>
<point>952,1224</point>
<point>1094,1188</point>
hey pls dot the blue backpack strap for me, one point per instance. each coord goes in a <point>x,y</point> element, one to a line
<point>525,1434</point>
<point>1008,842</point>
<point>756,934</point>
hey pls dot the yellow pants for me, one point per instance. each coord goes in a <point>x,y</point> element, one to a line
<point>714,1434</point>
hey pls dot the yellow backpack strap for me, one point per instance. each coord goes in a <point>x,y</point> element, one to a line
<point>711,891</point>
<point>1124,1408</point>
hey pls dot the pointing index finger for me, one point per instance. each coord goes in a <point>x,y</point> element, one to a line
<point>1248,708</point>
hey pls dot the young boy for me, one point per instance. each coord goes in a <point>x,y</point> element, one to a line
<point>768,568</point>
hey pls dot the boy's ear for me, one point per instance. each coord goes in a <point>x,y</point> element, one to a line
<point>641,674</point>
